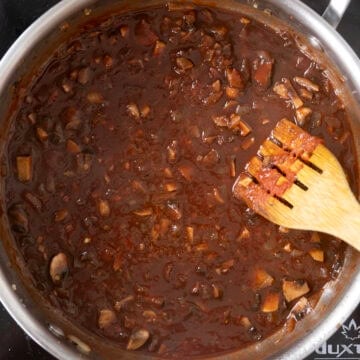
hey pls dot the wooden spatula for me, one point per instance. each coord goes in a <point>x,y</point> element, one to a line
<point>296,182</point>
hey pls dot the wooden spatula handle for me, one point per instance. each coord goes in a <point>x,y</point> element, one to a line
<point>346,224</point>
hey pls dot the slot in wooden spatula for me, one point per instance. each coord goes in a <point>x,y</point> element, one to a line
<point>296,182</point>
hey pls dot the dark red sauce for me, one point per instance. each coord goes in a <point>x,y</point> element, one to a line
<point>121,163</point>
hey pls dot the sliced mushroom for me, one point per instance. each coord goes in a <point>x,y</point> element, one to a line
<point>58,267</point>
<point>106,318</point>
<point>301,308</point>
<point>293,289</point>
<point>286,91</point>
<point>137,339</point>
<point>307,84</point>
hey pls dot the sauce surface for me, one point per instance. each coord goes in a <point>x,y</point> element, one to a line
<point>121,162</point>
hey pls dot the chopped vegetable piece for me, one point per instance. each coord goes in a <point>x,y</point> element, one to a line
<point>41,134</point>
<point>24,168</point>
<point>186,172</point>
<point>170,187</point>
<point>286,91</point>
<point>95,97</point>
<point>262,70</point>
<point>184,63</point>
<point>302,115</point>
<point>271,302</point>
<point>294,289</point>
<point>84,75</point>
<point>244,321</point>
<point>234,78</point>
<point>124,31</point>
<point>216,85</point>
<point>232,167</point>
<point>190,233</point>
<point>172,150</point>
<point>217,291</point>
<point>262,279</point>
<point>104,208</point>
<point>211,158</point>
<point>232,93</point>
<point>287,247</point>
<point>317,254</point>
<point>133,110</point>
<point>72,147</point>
<point>145,111</point>
<point>247,143</point>
<point>217,196</point>
<point>159,48</point>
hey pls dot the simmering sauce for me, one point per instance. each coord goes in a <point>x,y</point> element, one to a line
<point>122,158</point>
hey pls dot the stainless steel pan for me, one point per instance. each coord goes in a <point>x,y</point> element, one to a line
<point>56,334</point>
